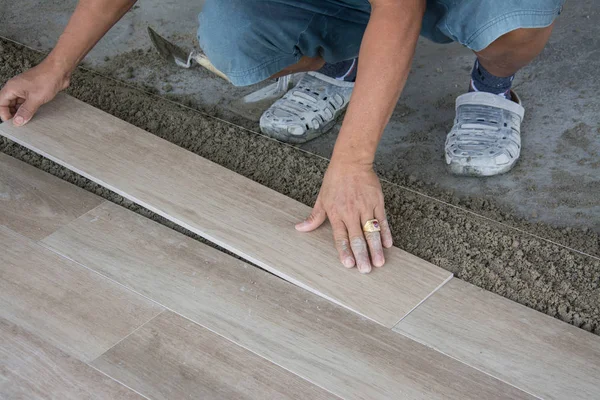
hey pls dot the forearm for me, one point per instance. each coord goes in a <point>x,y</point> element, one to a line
<point>385,57</point>
<point>90,21</point>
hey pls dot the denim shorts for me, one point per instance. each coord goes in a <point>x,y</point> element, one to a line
<point>251,40</point>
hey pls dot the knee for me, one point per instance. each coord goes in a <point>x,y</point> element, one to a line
<point>521,38</point>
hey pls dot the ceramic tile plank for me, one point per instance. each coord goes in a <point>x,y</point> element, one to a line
<point>63,303</point>
<point>330,346</point>
<point>232,211</point>
<point>33,369</point>
<point>537,353</point>
<point>35,203</point>
<point>174,358</point>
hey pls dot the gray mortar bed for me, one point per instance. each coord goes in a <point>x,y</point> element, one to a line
<point>544,276</point>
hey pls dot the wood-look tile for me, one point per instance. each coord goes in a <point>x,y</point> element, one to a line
<point>173,358</point>
<point>63,303</point>
<point>31,368</point>
<point>323,343</point>
<point>228,209</point>
<point>35,203</point>
<point>530,350</point>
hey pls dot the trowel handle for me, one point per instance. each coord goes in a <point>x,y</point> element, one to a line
<point>284,83</point>
<point>202,60</point>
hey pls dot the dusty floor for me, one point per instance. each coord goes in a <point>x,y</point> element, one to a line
<point>557,180</point>
<point>545,276</point>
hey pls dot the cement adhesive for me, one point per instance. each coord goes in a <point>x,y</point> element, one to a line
<point>533,272</point>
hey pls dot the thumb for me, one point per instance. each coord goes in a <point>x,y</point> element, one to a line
<point>314,220</point>
<point>26,112</point>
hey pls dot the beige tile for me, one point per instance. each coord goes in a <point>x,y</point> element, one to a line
<point>327,345</point>
<point>34,203</point>
<point>31,368</point>
<point>173,358</point>
<point>530,350</point>
<point>226,208</point>
<point>63,303</point>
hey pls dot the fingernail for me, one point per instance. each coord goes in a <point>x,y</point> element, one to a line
<point>19,120</point>
<point>364,269</point>
<point>349,262</point>
<point>301,225</point>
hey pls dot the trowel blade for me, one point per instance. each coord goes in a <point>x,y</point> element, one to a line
<point>271,92</point>
<point>254,104</point>
<point>168,50</point>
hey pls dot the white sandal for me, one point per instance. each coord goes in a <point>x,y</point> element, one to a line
<point>308,110</point>
<point>486,137</point>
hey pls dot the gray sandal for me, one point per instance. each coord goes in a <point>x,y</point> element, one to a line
<point>486,137</point>
<point>308,110</point>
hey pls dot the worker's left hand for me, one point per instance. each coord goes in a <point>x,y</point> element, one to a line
<point>25,93</point>
<point>350,196</point>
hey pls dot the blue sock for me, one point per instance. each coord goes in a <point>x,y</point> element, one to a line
<point>483,81</point>
<point>343,70</point>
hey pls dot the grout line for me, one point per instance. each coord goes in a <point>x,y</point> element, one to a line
<point>60,254</point>
<point>410,337</point>
<point>451,277</point>
<point>118,381</point>
<point>488,219</point>
<point>130,333</point>
<point>39,241</point>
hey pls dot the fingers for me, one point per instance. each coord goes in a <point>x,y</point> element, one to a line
<point>315,219</point>
<point>358,245</point>
<point>386,231</point>
<point>375,246</point>
<point>355,247</point>
<point>26,111</point>
<point>16,105</point>
<point>342,244</point>
<point>7,103</point>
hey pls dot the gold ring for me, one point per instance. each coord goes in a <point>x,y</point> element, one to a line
<point>371,225</point>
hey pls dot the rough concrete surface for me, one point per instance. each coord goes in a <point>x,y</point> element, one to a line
<point>556,181</point>
<point>542,275</point>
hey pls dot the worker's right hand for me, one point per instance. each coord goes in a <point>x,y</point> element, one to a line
<point>24,94</point>
<point>350,196</point>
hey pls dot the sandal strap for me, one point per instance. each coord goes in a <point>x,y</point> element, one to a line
<point>491,100</point>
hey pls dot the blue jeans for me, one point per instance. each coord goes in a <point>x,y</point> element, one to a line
<point>251,40</point>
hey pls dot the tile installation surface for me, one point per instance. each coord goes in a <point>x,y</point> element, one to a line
<point>278,327</point>
<point>330,346</point>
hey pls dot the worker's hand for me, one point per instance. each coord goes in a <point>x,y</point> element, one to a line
<point>350,196</point>
<point>24,94</point>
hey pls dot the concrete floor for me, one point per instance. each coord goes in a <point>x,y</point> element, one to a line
<point>556,181</point>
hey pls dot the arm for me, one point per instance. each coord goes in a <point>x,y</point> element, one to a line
<point>386,54</point>
<point>24,94</point>
<point>351,193</point>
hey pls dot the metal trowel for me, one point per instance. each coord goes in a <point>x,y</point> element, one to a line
<point>250,106</point>
<point>254,104</point>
